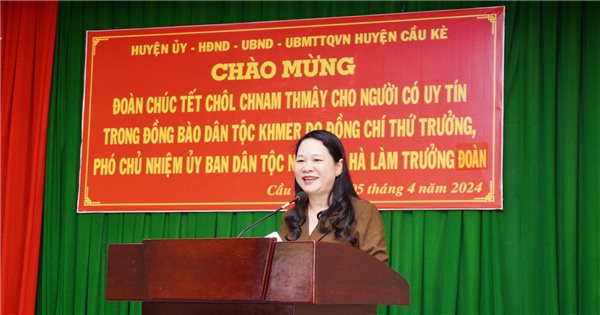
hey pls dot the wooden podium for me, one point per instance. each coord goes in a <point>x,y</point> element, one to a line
<point>251,276</point>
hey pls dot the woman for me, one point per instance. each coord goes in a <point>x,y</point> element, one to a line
<point>333,211</point>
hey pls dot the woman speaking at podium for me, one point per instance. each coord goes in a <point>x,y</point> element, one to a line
<point>332,211</point>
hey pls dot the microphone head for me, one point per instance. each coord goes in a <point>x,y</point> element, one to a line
<point>301,196</point>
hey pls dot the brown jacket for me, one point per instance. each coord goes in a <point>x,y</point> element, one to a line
<point>368,230</point>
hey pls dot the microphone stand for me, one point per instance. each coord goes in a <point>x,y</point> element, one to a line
<point>300,196</point>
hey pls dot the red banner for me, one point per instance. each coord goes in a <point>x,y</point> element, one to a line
<point>202,118</point>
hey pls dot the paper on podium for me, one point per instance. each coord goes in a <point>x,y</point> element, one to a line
<point>275,235</point>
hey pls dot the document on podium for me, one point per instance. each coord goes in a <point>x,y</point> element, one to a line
<point>275,235</point>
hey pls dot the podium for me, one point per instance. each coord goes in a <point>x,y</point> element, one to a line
<point>250,276</point>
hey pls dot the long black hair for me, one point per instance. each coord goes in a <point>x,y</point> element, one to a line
<point>339,217</point>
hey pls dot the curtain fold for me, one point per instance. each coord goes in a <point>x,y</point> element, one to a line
<point>537,256</point>
<point>27,57</point>
<point>586,224</point>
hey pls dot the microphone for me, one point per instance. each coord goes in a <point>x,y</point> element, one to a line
<point>299,197</point>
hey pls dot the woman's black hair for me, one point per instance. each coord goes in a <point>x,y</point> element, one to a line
<point>339,217</point>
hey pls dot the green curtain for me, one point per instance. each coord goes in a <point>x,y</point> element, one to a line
<point>540,255</point>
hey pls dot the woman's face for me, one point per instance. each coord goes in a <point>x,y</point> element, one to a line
<point>315,169</point>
